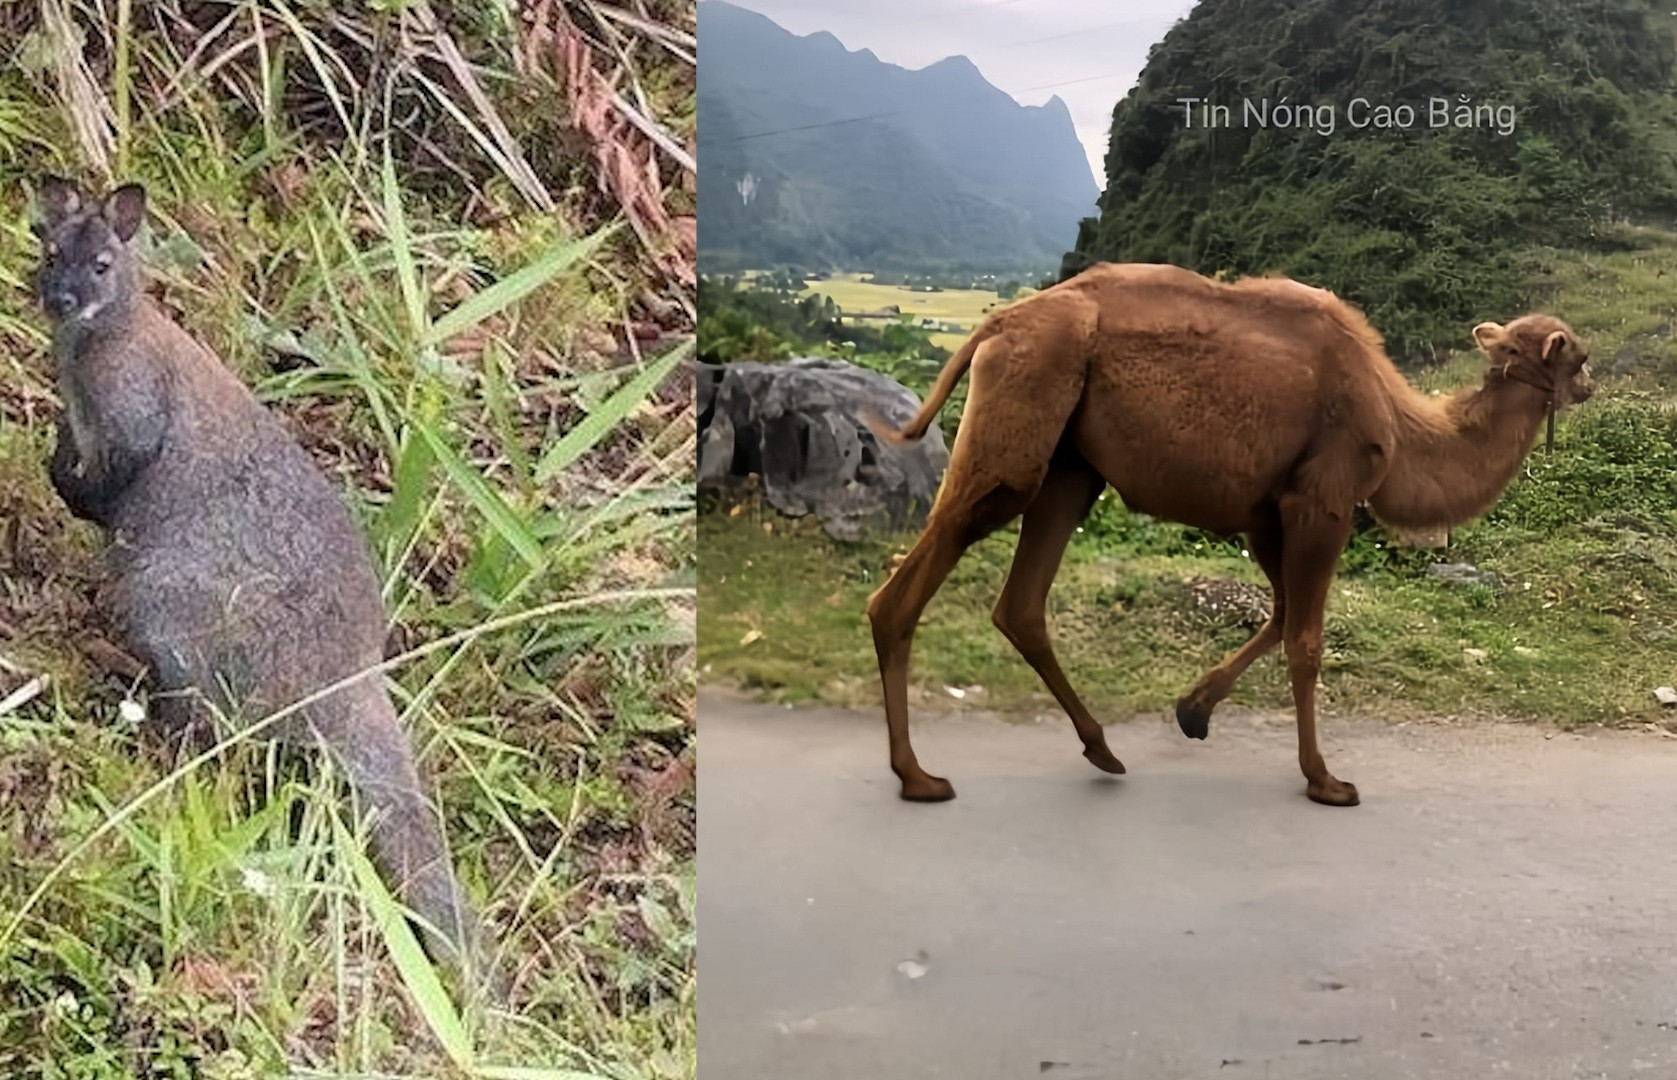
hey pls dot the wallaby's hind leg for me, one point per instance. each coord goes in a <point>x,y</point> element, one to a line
<point>1025,385</point>
<point>1061,504</point>
<point>1193,711</point>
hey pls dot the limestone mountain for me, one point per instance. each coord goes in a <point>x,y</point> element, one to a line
<point>859,164</point>
<point>1430,226</point>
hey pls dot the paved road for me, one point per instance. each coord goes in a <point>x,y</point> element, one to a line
<point>1502,904</point>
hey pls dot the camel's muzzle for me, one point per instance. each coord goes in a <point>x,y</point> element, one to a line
<point>1582,386</point>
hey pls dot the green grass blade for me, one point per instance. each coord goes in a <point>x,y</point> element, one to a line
<point>483,498</point>
<point>401,249</point>
<point>599,423</point>
<point>417,972</point>
<point>410,488</point>
<point>359,365</point>
<point>318,54</point>
<point>499,392</point>
<point>512,288</point>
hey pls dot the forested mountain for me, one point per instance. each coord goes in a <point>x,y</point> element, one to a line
<point>1569,129</point>
<point>860,164</point>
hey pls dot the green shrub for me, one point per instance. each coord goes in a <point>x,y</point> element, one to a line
<point>1618,460</point>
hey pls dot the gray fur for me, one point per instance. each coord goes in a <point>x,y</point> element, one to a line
<point>236,571</point>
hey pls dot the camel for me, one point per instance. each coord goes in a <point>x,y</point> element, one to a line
<point>1264,407</point>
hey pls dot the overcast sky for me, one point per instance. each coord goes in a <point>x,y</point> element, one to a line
<point>1087,51</point>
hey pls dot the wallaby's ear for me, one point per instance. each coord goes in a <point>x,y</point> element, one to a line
<point>1487,335</point>
<point>125,209</point>
<point>1554,341</point>
<point>57,199</point>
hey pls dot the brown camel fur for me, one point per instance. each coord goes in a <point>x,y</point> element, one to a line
<point>1264,407</point>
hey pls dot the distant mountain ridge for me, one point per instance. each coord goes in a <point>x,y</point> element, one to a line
<point>862,164</point>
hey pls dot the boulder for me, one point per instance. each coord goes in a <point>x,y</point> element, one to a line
<point>1463,574</point>
<point>1642,351</point>
<point>798,427</point>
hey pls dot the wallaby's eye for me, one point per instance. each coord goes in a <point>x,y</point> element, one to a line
<point>101,264</point>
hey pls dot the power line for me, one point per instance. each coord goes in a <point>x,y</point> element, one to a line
<point>1085,31</point>
<point>962,10</point>
<point>812,127</point>
<point>1068,82</point>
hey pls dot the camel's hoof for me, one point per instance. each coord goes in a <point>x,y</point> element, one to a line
<point>1194,721</point>
<point>1101,757</point>
<point>928,789</point>
<point>1332,793</point>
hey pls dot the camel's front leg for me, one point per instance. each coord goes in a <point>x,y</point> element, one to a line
<point>1193,711</point>
<point>1312,541</point>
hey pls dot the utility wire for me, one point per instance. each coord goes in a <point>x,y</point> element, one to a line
<point>1085,31</point>
<point>813,127</point>
<point>965,9</point>
<point>1068,82</point>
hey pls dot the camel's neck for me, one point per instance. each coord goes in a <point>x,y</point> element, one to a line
<point>1454,458</point>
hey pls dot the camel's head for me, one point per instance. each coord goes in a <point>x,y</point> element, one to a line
<point>1540,351</point>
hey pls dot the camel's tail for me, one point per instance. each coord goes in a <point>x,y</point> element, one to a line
<point>951,374</point>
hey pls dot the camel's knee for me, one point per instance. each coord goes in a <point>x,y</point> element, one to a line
<point>1305,651</point>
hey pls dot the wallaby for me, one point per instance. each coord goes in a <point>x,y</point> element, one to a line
<point>236,573</point>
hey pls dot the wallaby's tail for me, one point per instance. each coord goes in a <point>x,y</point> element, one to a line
<point>947,378</point>
<point>408,847</point>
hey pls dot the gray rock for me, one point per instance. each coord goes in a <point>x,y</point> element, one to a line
<point>1627,359</point>
<point>798,427</point>
<point>1642,350</point>
<point>1463,574</point>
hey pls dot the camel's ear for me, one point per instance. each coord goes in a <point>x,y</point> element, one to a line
<point>125,208</point>
<point>57,199</point>
<point>1487,334</point>
<point>1553,342</point>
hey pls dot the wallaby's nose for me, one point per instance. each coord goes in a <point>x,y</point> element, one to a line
<point>60,304</point>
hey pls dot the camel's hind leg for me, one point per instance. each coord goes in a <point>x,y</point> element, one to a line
<point>1193,711</point>
<point>895,610</point>
<point>1026,383</point>
<point>1061,504</point>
